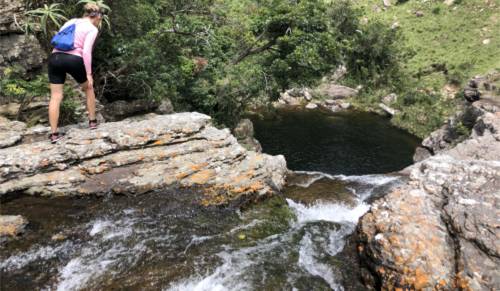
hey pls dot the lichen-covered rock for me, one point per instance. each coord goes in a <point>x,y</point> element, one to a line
<point>12,225</point>
<point>134,157</point>
<point>440,231</point>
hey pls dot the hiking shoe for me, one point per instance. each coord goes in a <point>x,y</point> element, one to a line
<point>93,124</point>
<point>55,137</point>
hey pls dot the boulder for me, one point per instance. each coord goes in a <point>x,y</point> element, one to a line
<point>333,91</point>
<point>244,132</point>
<point>439,231</point>
<point>390,111</point>
<point>389,99</point>
<point>12,225</point>
<point>165,107</point>
<point>311,105</point>
<point>136,157</point>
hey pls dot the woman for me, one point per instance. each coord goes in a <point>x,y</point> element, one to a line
<point>77,63</point>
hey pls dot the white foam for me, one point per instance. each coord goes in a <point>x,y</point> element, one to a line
<point>332,212</point>
<point>21,260</point>
<point>309,262</point>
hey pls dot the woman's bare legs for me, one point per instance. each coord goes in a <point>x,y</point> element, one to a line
<point>89,92</point>
<point>56,97</point>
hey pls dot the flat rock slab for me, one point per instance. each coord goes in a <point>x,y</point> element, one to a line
<point>135,157</point>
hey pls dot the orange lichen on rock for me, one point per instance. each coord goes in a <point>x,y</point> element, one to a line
<point>421,279</point>
<point>199,166</point>
<point>202,177</point>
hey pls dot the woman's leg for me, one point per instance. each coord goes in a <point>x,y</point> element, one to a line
<point>89,92</point>
<point>56,96</point>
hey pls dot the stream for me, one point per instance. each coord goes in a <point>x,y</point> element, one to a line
<point>164,241</point>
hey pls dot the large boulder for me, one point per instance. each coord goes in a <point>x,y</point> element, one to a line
<point>440,230</point>
<point>335,91</point>
<point>135,157</point>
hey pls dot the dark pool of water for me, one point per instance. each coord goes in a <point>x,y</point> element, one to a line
<point>349,143</point>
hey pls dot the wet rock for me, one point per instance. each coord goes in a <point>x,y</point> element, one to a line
<point>440,230</point>
<point>135,157</point>
<point>12,225</point>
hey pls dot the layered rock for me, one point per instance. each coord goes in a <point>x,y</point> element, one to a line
<point>17,48</point>
<point>135,157</point>
<point>441,230</point>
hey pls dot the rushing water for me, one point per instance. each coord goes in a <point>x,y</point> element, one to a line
<point>165,241</point>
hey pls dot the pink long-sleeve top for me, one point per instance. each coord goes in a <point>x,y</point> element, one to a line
<point>85,35</point>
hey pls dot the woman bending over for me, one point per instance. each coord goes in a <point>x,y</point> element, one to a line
<point>77,63</point>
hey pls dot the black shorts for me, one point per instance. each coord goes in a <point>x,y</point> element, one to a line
<point>61,64</point>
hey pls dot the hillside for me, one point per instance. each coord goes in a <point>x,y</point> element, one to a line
<point>448,43</point>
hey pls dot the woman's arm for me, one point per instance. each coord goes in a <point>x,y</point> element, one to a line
<point>87,50</point>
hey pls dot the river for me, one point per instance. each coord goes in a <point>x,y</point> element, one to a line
<point>164,241</point>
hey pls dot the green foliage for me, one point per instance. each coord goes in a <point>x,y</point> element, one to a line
<point>49,16</point>
<point>375,56</point>
<point>14,86</point>
<point>67,111</point>
<point>219,56</point>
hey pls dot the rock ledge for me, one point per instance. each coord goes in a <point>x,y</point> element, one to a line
<point>134,157</point>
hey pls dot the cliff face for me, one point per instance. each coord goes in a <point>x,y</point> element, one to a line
<point>16,47</point>
<point>440,230</point>
<point>135,157</point>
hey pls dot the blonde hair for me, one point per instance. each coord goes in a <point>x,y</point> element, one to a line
<point>91,10</point>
